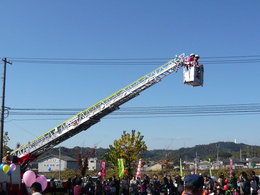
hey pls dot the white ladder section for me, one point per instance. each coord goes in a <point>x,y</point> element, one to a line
<point>92,115</point>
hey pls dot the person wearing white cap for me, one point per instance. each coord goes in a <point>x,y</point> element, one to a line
<point>196,59</point>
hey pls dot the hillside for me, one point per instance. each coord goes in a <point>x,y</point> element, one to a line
<point>225,150</point>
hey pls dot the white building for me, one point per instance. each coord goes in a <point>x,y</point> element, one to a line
<point>155,167</point>
<point>93,164</point>
<point>204,165</point>
<point>53,163</point>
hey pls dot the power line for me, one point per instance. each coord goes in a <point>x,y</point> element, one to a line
<point>133,61</point>
<point>143,117</point>
<point>82,59</point>
<point>248,105</point>
<point>149,112</point>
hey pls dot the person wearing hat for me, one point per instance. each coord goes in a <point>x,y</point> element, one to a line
<point>199,66</point>
<point>189,63</point>
<point>190,60</point>
<point>196,60</point>
<point>193,185</point>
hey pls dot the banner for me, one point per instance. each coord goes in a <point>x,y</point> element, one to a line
<point>210,167</point>
<point>231,166</point>
<point>181,173</point>
<point>103,169</point>
<point>196,164</point>
<point>139,171</point>
<point>250,164</point>
<point>121,168</point>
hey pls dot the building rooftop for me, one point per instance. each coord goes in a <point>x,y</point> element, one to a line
<point>62,157</point>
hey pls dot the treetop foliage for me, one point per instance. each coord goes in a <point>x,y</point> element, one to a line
<point>129,147</point>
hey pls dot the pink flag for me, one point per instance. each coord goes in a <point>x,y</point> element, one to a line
<point>250,164</point>
<point>103,169</point>
<point>231,166</point>
<point>139,169</point>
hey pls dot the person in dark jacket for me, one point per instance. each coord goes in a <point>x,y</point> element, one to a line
<point>233,181</point>
<point>254,183</point>
<point>244,184</point>
<point>156,185</point>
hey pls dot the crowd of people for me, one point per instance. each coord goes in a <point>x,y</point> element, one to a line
<point>172,185</point>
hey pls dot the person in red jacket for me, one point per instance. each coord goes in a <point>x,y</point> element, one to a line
<point>78,188</point>
<point>190,60</point>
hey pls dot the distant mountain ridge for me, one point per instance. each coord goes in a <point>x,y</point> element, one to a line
<point>223,150</point>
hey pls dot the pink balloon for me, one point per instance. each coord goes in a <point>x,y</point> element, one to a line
<point>12,167</point>
<point>43,181</point>
<point>29,178</point>
<point>99,173</point>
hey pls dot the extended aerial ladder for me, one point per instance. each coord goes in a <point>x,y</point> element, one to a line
<point>92,115</point>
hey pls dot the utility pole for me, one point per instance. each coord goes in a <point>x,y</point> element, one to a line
<point>59,162</point>
<point>196,163</point>
<point>217,146</point>
<point>3,110</point>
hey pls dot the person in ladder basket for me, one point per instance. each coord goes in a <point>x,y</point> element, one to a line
<point>196,60</point>
<point>199,66</point>
<point>190,61</point>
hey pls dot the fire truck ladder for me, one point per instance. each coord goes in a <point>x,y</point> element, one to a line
<point>92,115</point>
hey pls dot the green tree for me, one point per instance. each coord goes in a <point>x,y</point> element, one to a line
<point>6,139</point>
<point>129,147</point>
<point>224,155</point>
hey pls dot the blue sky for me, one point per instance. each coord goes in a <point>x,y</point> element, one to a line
<point>131,29</point>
